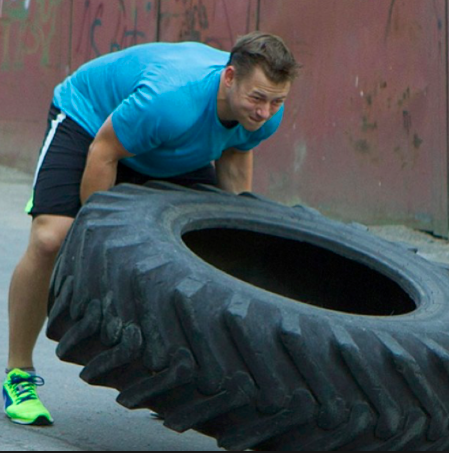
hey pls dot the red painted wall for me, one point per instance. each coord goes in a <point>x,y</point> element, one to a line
<point>34,36</point>
<point>365,135</point>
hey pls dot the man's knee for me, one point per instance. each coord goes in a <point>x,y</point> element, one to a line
<point>48,234</point>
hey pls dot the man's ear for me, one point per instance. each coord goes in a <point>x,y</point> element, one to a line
<point>229,76</point>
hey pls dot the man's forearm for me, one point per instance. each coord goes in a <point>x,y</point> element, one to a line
<point>235,172</point>
<point>235,181</point>
<point>99,175</point>
<point>105,152</point>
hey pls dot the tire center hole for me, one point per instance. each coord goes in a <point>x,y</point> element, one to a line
<point>300,271</point>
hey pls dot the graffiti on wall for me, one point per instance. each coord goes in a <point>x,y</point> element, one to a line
<point>194,20</point>
<point>30,29</point>
<point>26,6</point>
<point>107,26</point>
<point>215,23</point>
<point>27,29</point>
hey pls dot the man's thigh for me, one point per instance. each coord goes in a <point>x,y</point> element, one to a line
<point>60,169</point>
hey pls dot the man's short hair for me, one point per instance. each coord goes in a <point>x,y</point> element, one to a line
<point>267,51</point>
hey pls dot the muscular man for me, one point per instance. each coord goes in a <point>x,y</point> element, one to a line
<point>185,113</point>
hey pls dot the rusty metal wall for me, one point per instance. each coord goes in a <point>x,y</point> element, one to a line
<point>365,135</point>
<point>101,27</point>
<point>217,23</point>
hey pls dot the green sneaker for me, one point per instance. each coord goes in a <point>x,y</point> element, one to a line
<point>21,403</point>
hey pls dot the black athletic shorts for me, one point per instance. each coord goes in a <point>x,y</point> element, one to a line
<point>62,160</point>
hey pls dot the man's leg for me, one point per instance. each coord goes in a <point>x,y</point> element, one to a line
<point>29,288</point>
<point>28,298</point>
<point>55,203</point>
<point>53,206</point>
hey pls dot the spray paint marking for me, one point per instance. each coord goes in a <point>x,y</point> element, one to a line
<point>40,25</point>
<point>26,5</point>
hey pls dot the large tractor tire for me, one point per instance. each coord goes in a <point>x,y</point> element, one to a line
<point>266,327</point>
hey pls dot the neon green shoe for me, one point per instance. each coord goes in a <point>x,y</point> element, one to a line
<point>21,403</point>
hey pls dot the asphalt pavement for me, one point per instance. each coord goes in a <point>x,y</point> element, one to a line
<point>88,418</point>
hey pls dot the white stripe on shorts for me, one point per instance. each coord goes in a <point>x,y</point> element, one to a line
<point>51,135</point>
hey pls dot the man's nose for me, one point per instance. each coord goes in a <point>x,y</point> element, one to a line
<point>264,111</point>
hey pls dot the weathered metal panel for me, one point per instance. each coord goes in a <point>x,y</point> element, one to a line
<point>217,23</point>
<point>366,131</point>
<point>365,135</point>
<point>104,26</point>
<point>34,36</point>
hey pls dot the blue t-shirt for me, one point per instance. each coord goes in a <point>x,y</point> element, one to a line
<point>163,98</point>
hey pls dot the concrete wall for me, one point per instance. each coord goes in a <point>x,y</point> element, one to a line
<point>365,136</point>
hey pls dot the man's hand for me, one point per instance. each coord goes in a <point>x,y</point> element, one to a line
<point>101,168</point>
<point>235,171</point>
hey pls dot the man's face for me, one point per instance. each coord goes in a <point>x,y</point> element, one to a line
<point>255,99</point>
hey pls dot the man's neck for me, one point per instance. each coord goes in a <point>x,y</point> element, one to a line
<point>223,111</point>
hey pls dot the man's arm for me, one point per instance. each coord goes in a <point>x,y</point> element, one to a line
<point>235,171</point>
<point>101,167</point>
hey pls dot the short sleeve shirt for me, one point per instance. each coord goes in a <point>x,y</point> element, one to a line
<point>163,101</point>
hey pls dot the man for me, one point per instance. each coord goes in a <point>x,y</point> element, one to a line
<point>155,111</point>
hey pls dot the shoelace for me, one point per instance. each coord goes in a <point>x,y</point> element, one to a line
<point>25,388</point>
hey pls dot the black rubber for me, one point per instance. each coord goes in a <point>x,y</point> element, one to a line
<point>266,327</point>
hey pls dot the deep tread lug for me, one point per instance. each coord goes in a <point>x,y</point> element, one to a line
<point>83,329</point>
<point>239,392</point>
<point>129,349</point>
<point>250,435</point>
<point>59,318</point>
<point>273,395</point>
<point>416,379</point>
<point>211,374</point>
<point>391,420</point>
<point>361,421</point>
<point>334,411</point>
<point>181,373</point>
